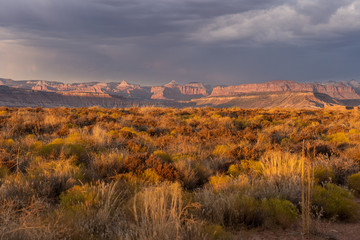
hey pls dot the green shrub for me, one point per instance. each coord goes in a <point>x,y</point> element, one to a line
<point>67,147</point>
<point>323,175</point>
<point>93,211</point>
<point>229,209</point>
<point>150,175</point>
<point>234,209</point>
<point>8,142</point>
<point>279,212</point>
<point>339,138</point>
<point>76,150</point>
<point>234,170</point>
<point>77,197</point>
<point>335,202</point>
<point>4,171</point>
<point>216,232</point>
<point>221,150</point>
<point>354,182</point>
<point>248,167</point>
<point>163,155</point>
<point>52,148</point>
<point>50,178</point>
<point>225,182</point>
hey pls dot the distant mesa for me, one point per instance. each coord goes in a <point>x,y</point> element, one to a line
<point>175,91</point>
<point>336,90</point>
<point>267,94</point>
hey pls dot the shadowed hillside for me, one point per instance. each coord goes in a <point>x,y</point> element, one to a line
<point>306,100</point>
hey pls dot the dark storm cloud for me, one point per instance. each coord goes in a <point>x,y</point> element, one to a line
<point>113,19</point>
<point>152,42</point>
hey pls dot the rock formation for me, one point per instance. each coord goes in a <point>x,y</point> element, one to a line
<point>176,91</point>
<point>336,90</point>
<point>173,94</point>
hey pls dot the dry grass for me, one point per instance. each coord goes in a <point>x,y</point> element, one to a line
<point>161,213</point>
<point>160,173</point>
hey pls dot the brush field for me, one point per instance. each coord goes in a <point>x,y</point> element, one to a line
<point>166,173</point>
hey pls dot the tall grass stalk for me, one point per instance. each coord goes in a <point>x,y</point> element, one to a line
<point>307,181</point>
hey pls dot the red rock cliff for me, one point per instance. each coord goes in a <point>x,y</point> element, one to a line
<point>337,90</point>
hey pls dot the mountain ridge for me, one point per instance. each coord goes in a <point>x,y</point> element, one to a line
<point>193,93</point>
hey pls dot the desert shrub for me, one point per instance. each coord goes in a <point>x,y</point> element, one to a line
<point>235,209</point>
<point>323,175</point>
<point>140,162</point>
<point>36,147</point>
<point>216,232</point>
<point>234,170</point>
<point>136,147</point>
<point>150,175</point>
<point>8,143</point>
<point>341,167</point>
<point>63,131</point>
<point>248,167</point>
<point>163,155</point>
<point>78,198</point>
<point>354,182</point>
<point>323,149</point>
<point>135,163</point>
<point>17,189</point>
<point>53,148</point>
<point>225,182</point>
<point>70,147</point>
<point>335,202</point>
<point>99,137</point>
<point>219,182</point>
<point>280,165</point>
<point>94,211</point>
<point>279,212</point>
<point>221,150</point>
<point>161,213</point>
<point>230,209</point>
<point>25,223</point>
<point>338,138</point>
<point>193,173</point>
<point>353,153</point>
<point>50,178</point>
<point>163,169</point>
<point>75,150</point>
<point>4,171</point>
<point>280,176</point>
<point>106,164</point>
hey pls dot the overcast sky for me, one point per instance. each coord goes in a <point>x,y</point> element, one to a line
<point>155,41</point>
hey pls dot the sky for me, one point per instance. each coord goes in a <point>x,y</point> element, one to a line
<point>151,42</point>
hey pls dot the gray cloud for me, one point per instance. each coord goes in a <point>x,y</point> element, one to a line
<point>291,23</point>
<point>153,42</point>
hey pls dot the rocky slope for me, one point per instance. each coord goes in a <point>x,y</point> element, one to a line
<point>15,97</point>
<point>300,100</point>
<point>175,91</point>
<point>337,90</point>
<point>170,91</point>
<point>269,94</point>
